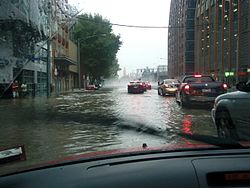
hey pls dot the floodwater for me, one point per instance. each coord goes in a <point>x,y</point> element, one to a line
<point>81,122</point>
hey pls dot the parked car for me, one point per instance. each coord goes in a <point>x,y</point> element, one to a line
<point>168,87</point>
<point>136,87</point>
<point>231,113</point>
<point>199,89</point>
<point>144,86</point>
<point>91,87</point>
<point>148,85</point>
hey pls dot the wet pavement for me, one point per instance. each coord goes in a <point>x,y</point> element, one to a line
<point>110,118</point>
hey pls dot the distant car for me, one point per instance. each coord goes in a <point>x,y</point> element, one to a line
<point>136,87</point>
<point>148,85</point>
<point>168,87</point>
<point>144,85</point>
<point>98,86</point>
<point>231,113</point>
<point>199,89</point>
<point>91,87</point>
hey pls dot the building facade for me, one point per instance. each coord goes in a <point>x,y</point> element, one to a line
<point>223,39</point>
<point>22,31</point>
<point>64,49</point>
<point>64,61</point>
<point>181,38</point>
<point>35,47</point>
<point>161,73</point>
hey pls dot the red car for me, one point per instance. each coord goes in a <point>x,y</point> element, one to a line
<point>136,87</point>
<point>91,87</point>
<point>148,85</point>
<point>144,85</point>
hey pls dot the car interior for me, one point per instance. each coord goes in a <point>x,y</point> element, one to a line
<point>201,168</point>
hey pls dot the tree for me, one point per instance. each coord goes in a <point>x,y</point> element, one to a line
<point>98,46</point>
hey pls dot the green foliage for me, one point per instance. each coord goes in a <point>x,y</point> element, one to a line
<point>98,46</point>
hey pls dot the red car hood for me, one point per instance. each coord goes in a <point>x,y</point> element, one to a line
<point>123,152</point>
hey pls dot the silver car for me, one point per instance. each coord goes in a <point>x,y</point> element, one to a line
<point>231,113</point>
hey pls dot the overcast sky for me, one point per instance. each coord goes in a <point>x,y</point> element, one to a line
<point>141,47</point>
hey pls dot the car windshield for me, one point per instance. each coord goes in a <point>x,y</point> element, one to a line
<point>135,82</point>
<point>171,81</point>
<point>72,76</point>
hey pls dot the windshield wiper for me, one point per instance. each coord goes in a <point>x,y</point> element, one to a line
<point>212,140</point>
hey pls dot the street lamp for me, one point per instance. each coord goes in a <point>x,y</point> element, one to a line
<point>79,57</point>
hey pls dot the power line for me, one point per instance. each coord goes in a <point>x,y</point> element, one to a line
<point>140,26</point>
<point>143,26</point>
<point>160,27</point>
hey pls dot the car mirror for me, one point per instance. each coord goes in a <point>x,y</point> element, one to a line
<point>243,86</point>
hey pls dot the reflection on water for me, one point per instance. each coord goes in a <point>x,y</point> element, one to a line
<point>187,124</point>
<point>81,122</point>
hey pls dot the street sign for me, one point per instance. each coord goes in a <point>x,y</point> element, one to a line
<point>227,74</point>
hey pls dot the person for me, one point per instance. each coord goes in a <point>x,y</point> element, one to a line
<point>24,89</point>
<point>15,88</point>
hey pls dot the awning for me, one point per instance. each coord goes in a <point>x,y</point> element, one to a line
<point>65,60</point>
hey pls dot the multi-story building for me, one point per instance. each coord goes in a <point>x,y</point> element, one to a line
<point>146,74</point>
<point>223,39</point>
<point>64,57</point>
<point>22,28</point>
<point>161,73</point>
<point>28,31</point>
<point>181,38</point>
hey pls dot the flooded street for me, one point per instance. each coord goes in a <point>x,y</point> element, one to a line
<point>109,118</point>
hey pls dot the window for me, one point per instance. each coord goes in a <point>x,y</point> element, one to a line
<point>190,35</point>
<point>198,80</point>
<point>189,56</point>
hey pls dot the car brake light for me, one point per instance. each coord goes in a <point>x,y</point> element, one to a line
<point>225,86</point>
<point>197,76</point>
<point>186,89</point>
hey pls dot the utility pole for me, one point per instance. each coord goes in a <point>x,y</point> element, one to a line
<point>48,48</point>
<point>79,60</point>
<point>80,78</point>
<point>237,60</point>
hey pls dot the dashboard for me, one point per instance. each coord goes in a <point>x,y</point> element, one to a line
<point>199,168</point>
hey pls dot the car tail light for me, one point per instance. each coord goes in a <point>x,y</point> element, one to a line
<point>186,89</point>
<point>225,86</point>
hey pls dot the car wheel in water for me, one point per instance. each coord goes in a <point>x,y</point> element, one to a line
<point>225,126</point>
<point>160,92</point>
<point>176,99</point>
<point>182,102</point>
